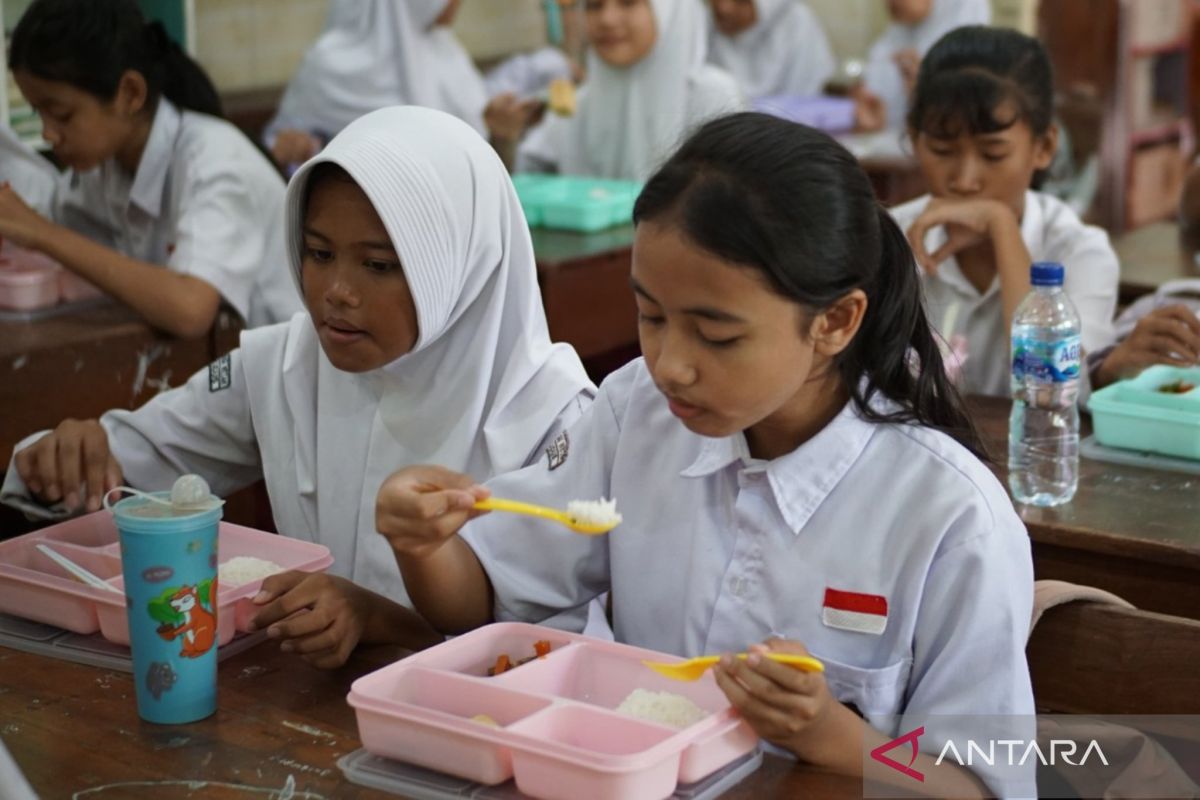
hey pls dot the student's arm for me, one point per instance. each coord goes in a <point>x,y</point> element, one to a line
<point>181,305</point>
<point>504,566</point>
<point>969,678</point>
<point>795,710</point>
<point>420,510</point>
<point>968,223</point>
<point>322,618</point>
<point>202,427</point>
<point>1167,335</point>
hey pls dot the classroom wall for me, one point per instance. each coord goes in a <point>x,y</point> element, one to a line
<point>250,44</point>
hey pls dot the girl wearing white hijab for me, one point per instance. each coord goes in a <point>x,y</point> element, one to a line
<point>894,57</point>
<point>425,340</point>
<point>772,47</point>
<point>647,86</point>
<point>372,54</point>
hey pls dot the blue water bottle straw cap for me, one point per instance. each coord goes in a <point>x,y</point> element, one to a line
<point>1046,273</point>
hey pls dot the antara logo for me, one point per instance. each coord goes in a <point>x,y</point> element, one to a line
<point>1012,752</point>
<point>1060,750</point>
<point>909,738</point>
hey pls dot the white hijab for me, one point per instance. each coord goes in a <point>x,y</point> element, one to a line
<point>483,384</point>
<point>377,53</point>
<point>883,77</point>
<point>785,52</point>
<point>631,118</point>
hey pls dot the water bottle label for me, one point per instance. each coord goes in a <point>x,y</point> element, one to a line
<point>1046,362</point>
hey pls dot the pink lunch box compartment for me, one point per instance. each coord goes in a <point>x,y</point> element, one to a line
<point>35,587</point>
<point>27,289</point>
<point>559,734</point>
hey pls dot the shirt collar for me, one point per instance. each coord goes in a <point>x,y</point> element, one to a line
<point>150,180</point>
<point>803,478</point>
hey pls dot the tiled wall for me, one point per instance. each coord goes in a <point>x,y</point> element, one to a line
<point>251,43</point>
<point>246,44</point>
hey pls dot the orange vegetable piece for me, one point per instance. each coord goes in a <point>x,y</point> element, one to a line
<point>541,648</point>
<point>502,664</point>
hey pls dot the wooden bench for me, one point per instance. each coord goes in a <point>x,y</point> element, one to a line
<point>1093,658</point>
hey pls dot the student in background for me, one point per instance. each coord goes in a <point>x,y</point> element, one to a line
<point>1161,328</point>
<point>377,53</point>
<point>647,86</point>
<point>424,340</point>
<point>788,373</point>
<point>895,57</point>
<point>772,47</point>
<point>155,178</point>
<point>982,126</point>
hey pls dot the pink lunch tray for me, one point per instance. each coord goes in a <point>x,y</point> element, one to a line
<point>35,587</point>
<point>559,735</point>
<point>30,280</point>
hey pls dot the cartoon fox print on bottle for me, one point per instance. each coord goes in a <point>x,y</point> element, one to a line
<point>198,630</point>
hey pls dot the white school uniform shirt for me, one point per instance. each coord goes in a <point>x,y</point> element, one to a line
<point>480,391</point>
<point>881,75</point>
<point>32,177</point>
<point>629,120</point>
<point>204,202</point>
<point>719,550</point>
<point>785,52</point>
<point>378,53</point>
<point>1052,232</point>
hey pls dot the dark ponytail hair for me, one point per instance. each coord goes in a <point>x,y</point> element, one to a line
<point>971,72</point>
<point>91,43</point>
<point>788,200</point>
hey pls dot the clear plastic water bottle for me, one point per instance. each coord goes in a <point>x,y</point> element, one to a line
<point>1043,431</point>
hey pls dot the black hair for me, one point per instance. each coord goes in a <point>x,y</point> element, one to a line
<point>971,72</point>
<point>789,201</point>
<point>91,43</point>
<point>322,173</point>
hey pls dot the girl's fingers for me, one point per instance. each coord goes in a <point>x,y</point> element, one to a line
<point>113,476</point>
<point>47,468</point>
<point>95,464</point>
<point>70,454</point>
<point>26,463</point>
<point>323,640</point>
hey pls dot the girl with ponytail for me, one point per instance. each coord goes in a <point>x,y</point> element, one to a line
<point>793,469</point>
<point>155,178</point>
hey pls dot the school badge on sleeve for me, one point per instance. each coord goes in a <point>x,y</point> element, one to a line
<point>220,374</point>
<point>852,611</point>
<point>556,453</point>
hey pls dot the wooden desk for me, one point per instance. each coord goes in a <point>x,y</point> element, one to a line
<point>584,279</point>
<point>72,727</point>
<point>83,363</point>
<point>1130,530</point>
<point>1153,255</point>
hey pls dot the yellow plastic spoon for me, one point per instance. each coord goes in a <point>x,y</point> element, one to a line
<point>576,523</point>
<point>693,668</point>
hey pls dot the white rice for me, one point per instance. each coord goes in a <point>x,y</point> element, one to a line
<point>665,708</point>
<point>595,512</point>
<point>245,569</point>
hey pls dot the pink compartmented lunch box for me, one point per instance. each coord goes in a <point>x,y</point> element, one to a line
<point>24,288</point>
<point>34,587</point>
<point>30,280</point>
<point>72,288</point>
<point>559,734</point>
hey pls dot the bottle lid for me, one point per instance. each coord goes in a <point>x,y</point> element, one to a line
<point>1046,273</point>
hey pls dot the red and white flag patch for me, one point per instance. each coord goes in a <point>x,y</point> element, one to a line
<point>852,611</point>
